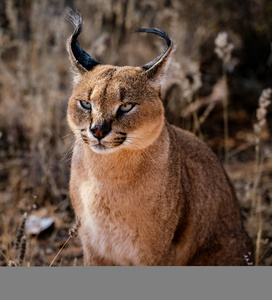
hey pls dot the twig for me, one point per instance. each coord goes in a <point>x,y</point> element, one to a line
<point>60,251</point>
<point>226,114</point>
<point>258,241</point>
<point>241,148</point>
<point>4,256</point>
<point>73,232</point>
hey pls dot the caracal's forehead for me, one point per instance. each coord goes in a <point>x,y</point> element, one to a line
<point>106,72</point>
<point>112,83</point>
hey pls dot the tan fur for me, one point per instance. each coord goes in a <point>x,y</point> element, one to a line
<point>159,198</point>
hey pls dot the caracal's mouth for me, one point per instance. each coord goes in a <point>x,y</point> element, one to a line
<point>104,145</point>
<point>105,148</point>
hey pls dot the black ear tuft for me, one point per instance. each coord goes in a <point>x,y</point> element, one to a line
<point>163,35</point>
<point>157,67</point>
<point>80,60</point>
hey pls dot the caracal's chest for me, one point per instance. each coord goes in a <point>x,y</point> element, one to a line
<point>121,220</point>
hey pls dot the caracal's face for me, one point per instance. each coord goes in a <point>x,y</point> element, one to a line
<point>113,108</point>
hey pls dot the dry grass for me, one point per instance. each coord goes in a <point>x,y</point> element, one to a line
<point>35,83</point>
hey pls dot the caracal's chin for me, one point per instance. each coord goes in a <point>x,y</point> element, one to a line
<point>101,149</point>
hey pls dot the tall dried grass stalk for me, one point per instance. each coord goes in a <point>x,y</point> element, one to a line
<point>258,239</point>
<point>8,261</point>
<point>223,50</point>
<point>190,88</point>
<point>259,126</point>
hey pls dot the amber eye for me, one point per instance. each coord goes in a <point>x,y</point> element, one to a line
<point>85,104</point>
<point>126,107</point>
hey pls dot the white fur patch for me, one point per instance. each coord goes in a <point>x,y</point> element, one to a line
<point>108,239</point>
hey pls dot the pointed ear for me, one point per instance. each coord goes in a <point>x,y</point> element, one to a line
<point>157,68</point>
<point>80,60</point>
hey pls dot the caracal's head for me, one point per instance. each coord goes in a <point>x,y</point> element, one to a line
<point>111,107</point>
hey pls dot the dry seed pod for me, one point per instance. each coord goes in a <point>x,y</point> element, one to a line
<point>73,232</point>
<point>22,250</point>
<point>248,259</point>
<point>20,231</point>
<point>12,264</point>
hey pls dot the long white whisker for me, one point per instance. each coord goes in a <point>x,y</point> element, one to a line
<point>69,152</point>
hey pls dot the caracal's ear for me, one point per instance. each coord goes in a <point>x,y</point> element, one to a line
<point>81,61</point>
<point>157,68</point>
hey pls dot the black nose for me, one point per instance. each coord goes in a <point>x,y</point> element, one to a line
<point>100,131</point>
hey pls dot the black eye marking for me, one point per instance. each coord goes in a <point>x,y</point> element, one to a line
<point>85,104</point>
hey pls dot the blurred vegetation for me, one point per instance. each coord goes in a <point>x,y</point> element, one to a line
<point>35,84</point>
